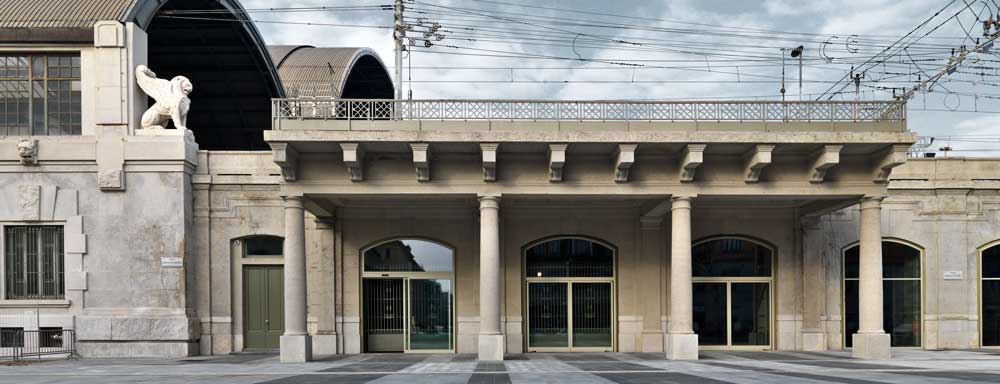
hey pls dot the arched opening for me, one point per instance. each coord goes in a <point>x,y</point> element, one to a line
<point>901,293</point>
<point>259,274</point>
<point>732,293</point>
<point>570,295</point>
<point>368,80</point>
<point>408,296</point>
<point>989,295</point>
<point>226,60</point>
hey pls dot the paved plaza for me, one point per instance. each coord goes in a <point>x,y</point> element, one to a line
<point>907,366</point>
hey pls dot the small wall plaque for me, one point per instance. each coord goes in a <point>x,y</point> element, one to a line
<point>171,262</point>
<point>953,275</point>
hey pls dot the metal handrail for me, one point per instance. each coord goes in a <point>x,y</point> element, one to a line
<point>589,110</point>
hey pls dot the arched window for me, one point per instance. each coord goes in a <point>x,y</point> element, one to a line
<point>263,246</point>
<point>409,255</point>
<point>900,293</point>
<point>990,295</point>
<point>569,257</point>
<point>730,257</point>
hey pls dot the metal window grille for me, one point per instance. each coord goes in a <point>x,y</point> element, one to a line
<point>11,337</point>
<point>33,262</point>
<point>40,94</point>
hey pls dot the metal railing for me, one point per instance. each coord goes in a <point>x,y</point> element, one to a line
<point>589,110</point>
<point>17,344</point>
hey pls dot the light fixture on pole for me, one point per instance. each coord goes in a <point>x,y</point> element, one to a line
<point>796,52</point>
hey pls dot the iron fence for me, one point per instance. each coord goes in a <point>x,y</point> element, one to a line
<point>588,110</point>
<point>19,344</point>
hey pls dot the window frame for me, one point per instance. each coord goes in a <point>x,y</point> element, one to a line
<point>3,265</point>
<point>980,252</point>
<point>921,251</point>
<point>73,128</point>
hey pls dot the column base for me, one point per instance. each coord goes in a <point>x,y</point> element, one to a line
<point>652,342</point>
<point>681,346</point>
<point>870,346</point>
<point>296,348</point>
<point>491,347</point>
<point>324,344</point>
<point>814,341</point>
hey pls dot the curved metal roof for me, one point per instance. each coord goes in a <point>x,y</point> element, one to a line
<point>329,72</point>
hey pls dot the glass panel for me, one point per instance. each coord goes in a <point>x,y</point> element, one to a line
<point>263,246</point>
<point>547,323</point>
<point>901,312</point>
<point>710,313</point>
<point>730,258</point>
<point>430,314</point>
<point>751,313</point>
<point>409,256</point>
<point>898,261</point>
<point>851,315</point>
<point>383,315</point>
<point>991,262</point>
<point>592,315</point>
<point>991,313</point>
<point>569,258</point>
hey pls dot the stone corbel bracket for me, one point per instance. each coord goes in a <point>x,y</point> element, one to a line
<point>489,161</point>
<point>888,159</point>
<point>691,158</point>
<point>422,160</point>
<point>354,158</point>
<point>624,159</point>
<point>757,159</point>
<point>287,157</point>
<point>824,159</point>
<point>557,160</point>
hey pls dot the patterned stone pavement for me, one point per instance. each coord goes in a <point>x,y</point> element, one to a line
<point>907,366</point>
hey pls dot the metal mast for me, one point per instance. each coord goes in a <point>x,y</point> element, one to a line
<point>398,33</point>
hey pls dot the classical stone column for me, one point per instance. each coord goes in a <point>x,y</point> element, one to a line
<point>491,343</point>
<point>871,341</point>
<point>296,345</point>
<point>681,343</point>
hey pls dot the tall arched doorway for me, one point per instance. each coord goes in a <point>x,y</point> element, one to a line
<point>989,295</point>
<point>408,297</point>
<point>732,293</point>
<point>570,295</point>
<point>901,293</point>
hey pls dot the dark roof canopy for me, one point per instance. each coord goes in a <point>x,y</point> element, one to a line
<point>307,71</point>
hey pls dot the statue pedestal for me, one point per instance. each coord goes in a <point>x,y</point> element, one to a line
<point>186,133</point>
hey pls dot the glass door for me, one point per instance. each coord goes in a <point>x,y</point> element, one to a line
<point>592,310</point>
<point>732,314</point>
<point>570,316</point>
<point>430,326</point>
<point>548,323</point>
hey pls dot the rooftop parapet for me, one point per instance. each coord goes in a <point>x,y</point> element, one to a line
<point>303,113</point>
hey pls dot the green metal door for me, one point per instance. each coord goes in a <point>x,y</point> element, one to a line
<point>263,306</point>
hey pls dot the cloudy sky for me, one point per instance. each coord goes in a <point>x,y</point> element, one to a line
<point>695,49</point>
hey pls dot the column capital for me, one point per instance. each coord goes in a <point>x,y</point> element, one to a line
<point>489,200</point>
<point>869,202</point>
<point>292,201</point>
<point>681,202</point>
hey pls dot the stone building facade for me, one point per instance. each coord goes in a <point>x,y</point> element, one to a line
<point>296,220</point>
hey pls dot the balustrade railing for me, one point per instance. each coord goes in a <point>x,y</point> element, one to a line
<point>589,110</point>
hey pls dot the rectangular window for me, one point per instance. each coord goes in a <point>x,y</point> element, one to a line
<point>39,94</point>
<point>33,262</point>
<point>11,337</point>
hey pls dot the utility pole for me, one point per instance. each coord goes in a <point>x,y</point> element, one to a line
<point>398,33</point>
